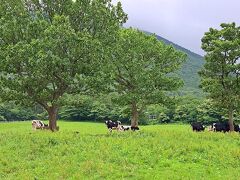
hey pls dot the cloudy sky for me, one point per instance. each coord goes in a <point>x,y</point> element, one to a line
<point>181,21</point>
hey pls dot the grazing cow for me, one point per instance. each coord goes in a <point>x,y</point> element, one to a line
<point>113,125</point>
<point>212,127</point>
<point>236,127</point>
<point>197,126</point>
<point>125,128</point>
<point>134,128</point>
<point>37,124</point>
<point>220,126</point>
<point>224,126</point>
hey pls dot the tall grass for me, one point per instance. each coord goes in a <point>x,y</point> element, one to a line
<point>88,151</point>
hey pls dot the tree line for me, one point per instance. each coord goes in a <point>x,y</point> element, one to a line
<point>58,53</point>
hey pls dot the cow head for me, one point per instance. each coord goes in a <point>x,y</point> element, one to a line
<point>108,122</point>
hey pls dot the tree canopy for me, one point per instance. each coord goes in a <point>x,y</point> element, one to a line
<point>49,48</point>
<point>220,75</point>
<point>143,70</point>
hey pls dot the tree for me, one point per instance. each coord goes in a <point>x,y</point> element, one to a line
<point>186,109</point>
<point>156,114</point>
<point>50,48</point>
<point>208,113</point>
<point>221,72</point>
<point>143,71</point>
<point>93,108</point>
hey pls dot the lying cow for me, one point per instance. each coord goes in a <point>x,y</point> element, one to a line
<point>223,127</point>
<point>197,126</point>
<point>37,124</point>
<point>113,125</point>
<point>134,128</point>
<point>125,128</point>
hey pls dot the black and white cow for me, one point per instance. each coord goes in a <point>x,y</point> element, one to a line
<point>113,125</point>
<point>125,128</point>
<point>237,127</point>
<point>197,126</point>
<point>134,128</point>
<point>224,127</point>
<point>37,124</point>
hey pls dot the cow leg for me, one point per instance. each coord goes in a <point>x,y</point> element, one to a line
<point>119,128</point>
<point>34,127</point>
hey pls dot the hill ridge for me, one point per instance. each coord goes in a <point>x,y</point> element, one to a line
<point>189,71</point>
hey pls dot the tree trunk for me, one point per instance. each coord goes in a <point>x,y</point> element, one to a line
<point>135,115</point>
<point>52,117</point>
<point>230,120</point>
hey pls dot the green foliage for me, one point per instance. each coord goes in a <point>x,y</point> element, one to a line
<point>208,113</point>
<point>220,75</point>
<point>189,70</point>
<point>144,66</point>
<point>51,48</point>
<point>155,152</point>
<point>45,68</point>
<point>184,109</point>
<point>12,112</point>
<point>156,114</point>
<point>144,70</point>
<point>2,118</point>
<point>187,109</point>
<point>190,109</point>
<point>87,108</point>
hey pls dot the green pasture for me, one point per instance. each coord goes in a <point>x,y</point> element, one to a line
<point>83,150</point>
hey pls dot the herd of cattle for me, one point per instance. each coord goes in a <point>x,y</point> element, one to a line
<point>217,127</point>
<point>117,126</point>
<point>196,126</point>
<point>38,124</point>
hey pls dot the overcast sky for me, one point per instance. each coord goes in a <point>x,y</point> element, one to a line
<point>181,21</point>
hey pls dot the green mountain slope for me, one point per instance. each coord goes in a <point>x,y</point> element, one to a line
<point>189,71</point>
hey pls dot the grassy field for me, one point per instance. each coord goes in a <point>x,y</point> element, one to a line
<point>88,151</point>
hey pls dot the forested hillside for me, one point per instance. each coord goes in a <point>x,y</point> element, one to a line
<point>190,69</point>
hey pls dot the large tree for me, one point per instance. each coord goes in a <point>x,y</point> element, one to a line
<point>50,48</point>
<point>144,70</point>
<point>220,75</point>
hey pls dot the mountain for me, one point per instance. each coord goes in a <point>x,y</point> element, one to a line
<point>189,71</point>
